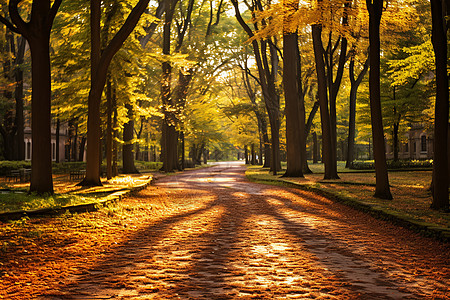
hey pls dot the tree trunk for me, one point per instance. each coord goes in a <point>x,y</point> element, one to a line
<point>253,154</point>
<point>93,124</point>
<point>183,156</point>
<point>315,148</point>
<point>99,69</point>
<point>246,155</point>
<point>395,140</point>
<point>115,170</point>
<point>109,133</point>
<point>20,121</point>
<point>301,112</point>
<point>354,84</point>
<point>440,163</point>
<point>37,32</point>
<point>292,110</point>
<point>41,160</point>
<point>57,140</point>
<point>267,79</point>
<point>169,139</point>
<point>127,149</point>
<point>82,147</point>
<point>382,189</point>
<point>75,142</point>
<point>330,171</point>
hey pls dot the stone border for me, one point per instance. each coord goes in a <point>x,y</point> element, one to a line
<point>80,208</point>
<point>426,229</point>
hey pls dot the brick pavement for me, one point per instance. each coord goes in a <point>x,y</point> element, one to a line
<point>233,239</point>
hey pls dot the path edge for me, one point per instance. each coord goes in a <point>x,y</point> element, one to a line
<point>426,229</point>
<point>80,208</point>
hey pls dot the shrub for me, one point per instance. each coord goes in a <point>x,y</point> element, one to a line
<point>391,164</point>
<point>7,166</point>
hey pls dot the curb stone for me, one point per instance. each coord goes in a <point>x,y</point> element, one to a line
<point>80,208</point>
<point>426,229</point>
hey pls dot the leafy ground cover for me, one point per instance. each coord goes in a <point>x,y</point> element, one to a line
<point>14,197</point>
<point>214,235</point>
<point>412,197</point>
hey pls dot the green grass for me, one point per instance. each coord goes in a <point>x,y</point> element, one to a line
<point>16,200</point>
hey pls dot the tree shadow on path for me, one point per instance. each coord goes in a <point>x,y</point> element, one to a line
<point>263,244</point>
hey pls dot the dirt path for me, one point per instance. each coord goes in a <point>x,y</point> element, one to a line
<point>227,238</point>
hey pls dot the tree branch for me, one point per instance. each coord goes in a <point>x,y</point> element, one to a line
<point>16,18</point>
<point>52,14</point>
<point>9,25</point>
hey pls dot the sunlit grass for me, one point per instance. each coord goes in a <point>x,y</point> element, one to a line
<point>412,198</point>
<point>18,200</point>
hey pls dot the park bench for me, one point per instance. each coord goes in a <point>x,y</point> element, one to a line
<point>77,175</point>
<point>25,175</point>
<point>21,175</point>
<point>13,176</point>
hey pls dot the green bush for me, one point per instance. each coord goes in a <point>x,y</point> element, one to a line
<point>7,166</point>
<point>391,164</point>
<point>58,168</point>
<point>148,165</point>
<point>67,167</point>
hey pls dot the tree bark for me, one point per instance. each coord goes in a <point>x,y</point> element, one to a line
<point>440,163</point>
<point>99,69</point>
<point>292,110</point>
<point>382,189</point>
<point>115,170</point>
<point>327,150</point>
<point>169,139</point>
<point>315,148</point>
<point>57,140</point>
<point>127,149</point>
<point>109,133</point>
<point>354,84</point>
<point>37,33</point>
<point>18,93</point>
<point>267,80</point>
<point>82,148</point>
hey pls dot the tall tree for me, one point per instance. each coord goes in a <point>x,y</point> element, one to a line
<point>127,149</point>
<point>99,67</point>
<point>267,63</point>
<point>295,131</point>
<point>169,138</point>
<point>440,20</point>
<point>37,32</point>
<point>354,84</point>
<point>382,189</point>
<point>327,147</point>
<point>12,125</point>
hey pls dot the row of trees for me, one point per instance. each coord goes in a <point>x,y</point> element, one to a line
<point>297,58</point>
<point>343,32</point>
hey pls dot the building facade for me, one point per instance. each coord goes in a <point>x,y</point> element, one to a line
<point>418,145</point>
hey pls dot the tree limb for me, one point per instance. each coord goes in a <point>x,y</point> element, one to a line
<point>9,25</point>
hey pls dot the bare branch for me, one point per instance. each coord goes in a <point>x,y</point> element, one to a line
<point>53,11</point>
<point>9,25</point>
<point>16,18</point>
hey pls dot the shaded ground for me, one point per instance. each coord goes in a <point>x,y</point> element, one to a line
<point>410,189</point>
<point>210,234</point>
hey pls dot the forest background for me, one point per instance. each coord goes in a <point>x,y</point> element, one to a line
<point>178,78</point>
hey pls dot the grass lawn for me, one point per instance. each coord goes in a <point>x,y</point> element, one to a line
<point>409,188</point>
<point>14,196</point>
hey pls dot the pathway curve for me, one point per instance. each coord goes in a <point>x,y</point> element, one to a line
<point>234,239</point>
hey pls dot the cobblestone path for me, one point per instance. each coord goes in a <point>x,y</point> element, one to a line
<point>239,240</point>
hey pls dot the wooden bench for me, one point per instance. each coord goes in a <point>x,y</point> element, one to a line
<point>14,176</point>
<point>25,175</point>
<point>77,175</point>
